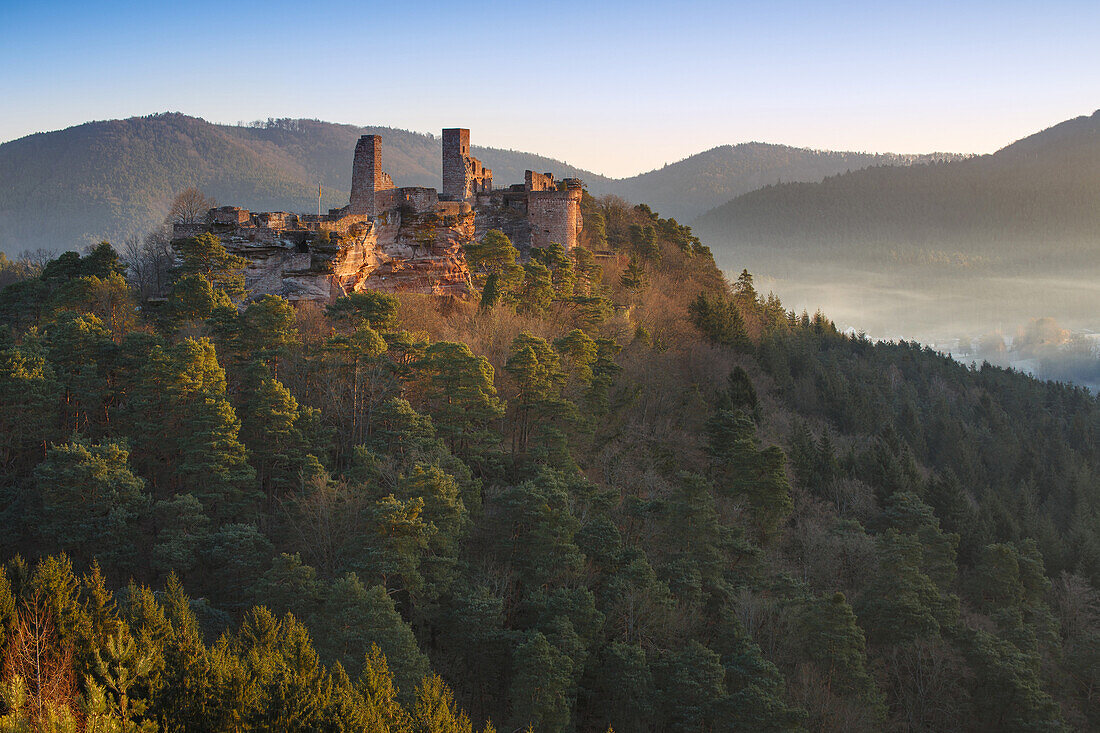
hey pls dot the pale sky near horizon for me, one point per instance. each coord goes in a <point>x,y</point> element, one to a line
<point>613,87</point>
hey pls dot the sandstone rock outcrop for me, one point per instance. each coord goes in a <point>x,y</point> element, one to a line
<point>393,239</point>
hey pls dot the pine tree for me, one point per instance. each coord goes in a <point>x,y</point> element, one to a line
<point>91,503</point>
<point>371,308</point>
<point>204,255</point>
<point>634,278</point>
<point>540,685</point>
<point>837,647</point>
<point>537,292</point>
<point>191,301</point>
<point>356,618</point>
<point>536,369</point>
<point>461,396</point>
<point>272,434</point>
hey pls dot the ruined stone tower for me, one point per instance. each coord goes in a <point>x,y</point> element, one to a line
<point>555,214</point>
<point>367,177</point>
<point>393,239</point>
<point>463,175</point>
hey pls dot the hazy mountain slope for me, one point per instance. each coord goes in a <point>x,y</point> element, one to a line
<point>692,186</point>
<point>110,179</point>
<point>1045,187</point>
<point>940,251</point>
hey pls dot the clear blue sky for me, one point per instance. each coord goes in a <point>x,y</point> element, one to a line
<point>616,87</point>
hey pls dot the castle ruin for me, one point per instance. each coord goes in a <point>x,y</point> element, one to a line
<point>408,239</point>
<point>463,175</point>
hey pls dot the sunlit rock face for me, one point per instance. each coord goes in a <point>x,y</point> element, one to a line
<point>394,239</point>
<point>413,245</point>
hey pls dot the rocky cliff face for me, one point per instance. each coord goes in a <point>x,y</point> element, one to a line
<point>405,249</point>
<point>419,252</point>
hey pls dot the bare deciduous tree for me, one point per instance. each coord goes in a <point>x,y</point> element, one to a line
<point>323,518</point>
<point>189,207</point>
<point>41,664</point>
<point>148,261</point>
<point>36,259</point>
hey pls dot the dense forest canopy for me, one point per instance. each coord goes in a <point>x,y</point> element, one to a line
<point>609,491</point>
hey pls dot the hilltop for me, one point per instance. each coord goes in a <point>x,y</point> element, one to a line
<point>1044,186</point>
<point>112,179</point>
<point>692,186</point>
<point>933,251</point>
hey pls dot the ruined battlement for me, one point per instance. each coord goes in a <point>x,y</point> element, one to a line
<point>464,176</point>
<point>394,238</point>
<point>537,181</point>
<point>367,176</point>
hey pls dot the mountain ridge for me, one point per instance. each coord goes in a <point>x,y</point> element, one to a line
<point>955,249</point>
<point>112,179</point>
<point>1045,183</point>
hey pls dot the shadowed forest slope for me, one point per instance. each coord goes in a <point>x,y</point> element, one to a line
<point>612,490</point>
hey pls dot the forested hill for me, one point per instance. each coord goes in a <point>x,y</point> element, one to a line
<point>692,186</point>
<point>609,491</point>
<point>1042,191</point>
<point>108,180</point>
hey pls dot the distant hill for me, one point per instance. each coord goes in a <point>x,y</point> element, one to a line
<point>112,179</point>
<point>107,180</point>
<point>1042,189</point>
<point>940,250</point>
<point>696,184</point>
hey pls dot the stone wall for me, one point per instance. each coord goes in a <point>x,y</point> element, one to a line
<point>537,181</point>
<point>276,220</point>
<point>366,174</point>
<point>555,216</point>
<point>463,175</point>
<point>229,215</point>
<point>417,198</point>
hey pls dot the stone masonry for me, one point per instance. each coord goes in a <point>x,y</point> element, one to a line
<point>395,239</point>
<point>463,175</point>
<point>367,178</point>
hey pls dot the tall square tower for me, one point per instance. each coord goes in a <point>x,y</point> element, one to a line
<point>366,174</point>
<point>463,174</point>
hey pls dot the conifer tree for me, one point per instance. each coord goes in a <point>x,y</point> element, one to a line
<point>461,396</point>
<point>357,618</point>
<point>540,685</point>
<point>91,504</point>
<point>204,255</point>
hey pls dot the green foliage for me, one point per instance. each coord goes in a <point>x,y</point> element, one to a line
<point>742,469</point>
<point>719,319</point>
<point>358,618</point>
<point>619,543</point>
<point>537,291</point>
<point>537,404</point>
<point>272,430</point>
<point>634,277</point>
<point>375,309</point>
<point>193,300</point>
<point>493,262</point>
<point>205,256</point>
<point>560,265</point>
<point>836,646</point>
<point>460,395</point>
<point>91,503</point>
<point>540,686</point>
